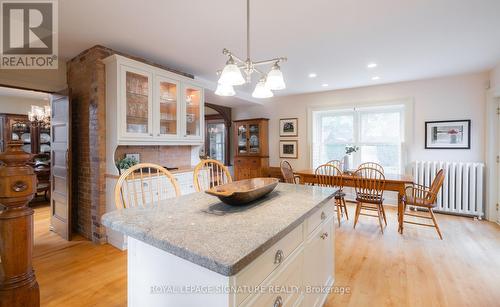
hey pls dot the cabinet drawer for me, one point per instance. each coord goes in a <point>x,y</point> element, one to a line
<point>264,265</point>
<point>288,278</point>
<point>319,216</point>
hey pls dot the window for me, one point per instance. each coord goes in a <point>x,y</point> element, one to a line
<point>377,131</point>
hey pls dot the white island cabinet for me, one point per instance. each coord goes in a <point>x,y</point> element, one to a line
<point>196,251</point>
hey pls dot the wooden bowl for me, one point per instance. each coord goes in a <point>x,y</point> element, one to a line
<point>244,191</point>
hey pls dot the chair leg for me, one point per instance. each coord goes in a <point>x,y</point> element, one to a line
<point>356,215</point>
<point>379,212</point>
<point>383,214</point>
<point>339,209</point>
<point>435,223</point>
<point>345,208</point>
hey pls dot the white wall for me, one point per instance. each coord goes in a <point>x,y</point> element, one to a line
<point>457,97</point>
<point>495,79</point>
<point>19,105</point>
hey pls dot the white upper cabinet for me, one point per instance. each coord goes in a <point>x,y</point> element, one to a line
<point>150,106</point>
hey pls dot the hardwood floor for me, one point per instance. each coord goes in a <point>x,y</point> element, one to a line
<point>416,269</point>
<point>78,272</point>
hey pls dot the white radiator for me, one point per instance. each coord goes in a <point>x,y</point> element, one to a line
<point>463,187</point>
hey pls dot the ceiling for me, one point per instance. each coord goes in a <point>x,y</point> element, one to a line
<point>336,39</point>
<point>12,92</point>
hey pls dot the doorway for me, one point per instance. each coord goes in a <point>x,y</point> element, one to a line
<point>33,117</point>
<point>217,124</point>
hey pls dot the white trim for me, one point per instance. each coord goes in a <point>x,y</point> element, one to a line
<point>491,152</point>
<point>409,130</point>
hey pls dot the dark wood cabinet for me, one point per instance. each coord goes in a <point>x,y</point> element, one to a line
<point>251,145</point>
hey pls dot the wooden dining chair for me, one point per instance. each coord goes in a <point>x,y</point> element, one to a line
<point>328,175</point>
<point>287,173</point>
<point>369,184</point>
<point>372,165</point>
<point>210,173</point>
<point>145,185</point>
<point>424,197</point>
<point>339,164</point>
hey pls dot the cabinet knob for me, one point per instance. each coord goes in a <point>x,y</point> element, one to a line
<point>278,257</point>
<point>150,134</point>
<point>323,216</point>
<point>158,134</point>
<point>324,235</point>
<point>278,302</point>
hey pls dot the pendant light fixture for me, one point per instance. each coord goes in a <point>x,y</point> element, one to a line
<point>231,74</point>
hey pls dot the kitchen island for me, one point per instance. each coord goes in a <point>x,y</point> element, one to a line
<point>197,251</point>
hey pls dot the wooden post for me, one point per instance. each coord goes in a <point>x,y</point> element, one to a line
<point>18,285</point>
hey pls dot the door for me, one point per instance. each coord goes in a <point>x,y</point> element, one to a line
<point>193,112</point>
<point>136,115</point>
<point>498,159</point>
<point>242,145</point>
<point>60,202</point>
<point>215,140</point>
<point>166,108</point>
<point>254,138</point>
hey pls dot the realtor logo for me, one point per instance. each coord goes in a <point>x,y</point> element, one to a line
<point>29,34</point>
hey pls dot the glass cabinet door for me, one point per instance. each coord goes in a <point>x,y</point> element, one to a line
<point>138,103</point>
<point>242,139</point>
<point>168,113</point>
<point>253,138</point>
<point>193,101</point>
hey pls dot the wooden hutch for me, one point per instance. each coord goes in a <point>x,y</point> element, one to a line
<point>251,141</point>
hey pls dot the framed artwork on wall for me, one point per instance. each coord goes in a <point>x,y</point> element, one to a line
<point>289,149</point>
<point>448,134</point>
<point>289,127</point>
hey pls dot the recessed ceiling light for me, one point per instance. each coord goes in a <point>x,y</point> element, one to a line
<point>371,65</point>
<point>324,84</point>
<point>312,75</point>
<point>375,78</point>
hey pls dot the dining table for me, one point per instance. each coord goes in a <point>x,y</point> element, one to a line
<point>393,182</point>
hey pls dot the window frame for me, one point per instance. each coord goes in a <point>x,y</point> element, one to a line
<point>406,124</point>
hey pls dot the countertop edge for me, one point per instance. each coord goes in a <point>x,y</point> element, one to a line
<point>203,261</point>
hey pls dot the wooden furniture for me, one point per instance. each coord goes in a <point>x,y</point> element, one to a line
<point>183,177</point>
<point>393,182</point>
<point>242,192</point>
<point>17,127</point>
<point>287,173</point>
<point>329,175</point>
<point>369,184</point>
<point>42,172</point>
<point>251,142</point>
<point>210,173</point>
<point>18,285</point>
<point>299,250</point>
<point>423,197</point>
<point>146,105</point>
<point>13,127</point>
<point>131,190</point>
<point>339,164</point>
<point>372,165</point>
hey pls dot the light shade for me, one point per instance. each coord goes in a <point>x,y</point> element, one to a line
<point>274,80</point>
<point>231,74</point>
<point>224,90</point>
<point>261,91</point>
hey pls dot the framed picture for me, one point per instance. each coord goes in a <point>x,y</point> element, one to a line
<point>289,149</point>
<point>289,127</point>
<point>449,134</point>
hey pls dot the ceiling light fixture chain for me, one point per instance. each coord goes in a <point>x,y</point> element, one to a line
<point>231,74</point>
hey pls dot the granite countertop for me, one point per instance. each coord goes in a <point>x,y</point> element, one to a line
<point>200,228</point>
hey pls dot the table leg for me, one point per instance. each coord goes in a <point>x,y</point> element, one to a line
<point>400,210</point>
